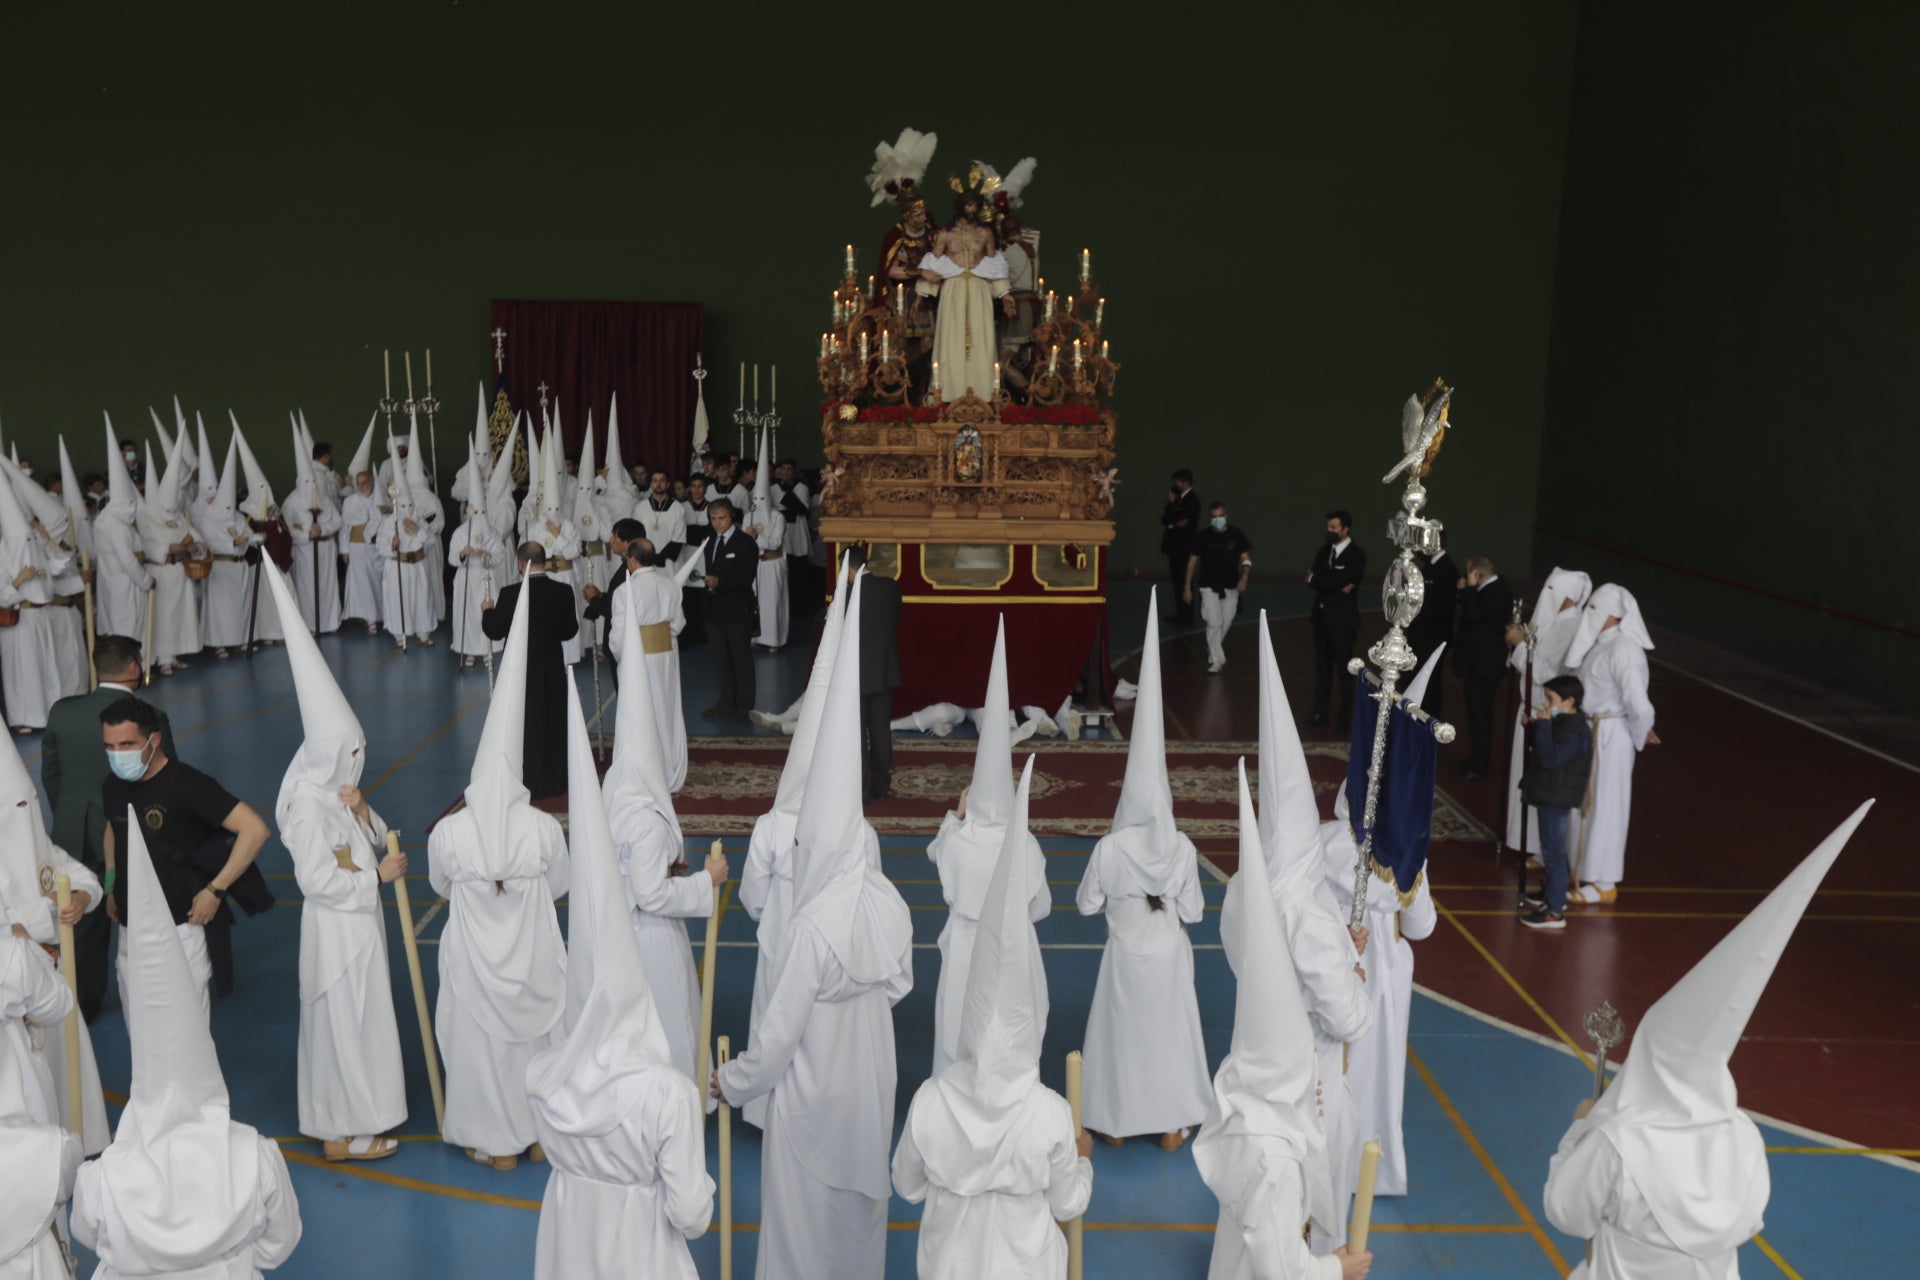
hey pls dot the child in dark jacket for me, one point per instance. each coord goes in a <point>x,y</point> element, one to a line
<point>1555,783</point>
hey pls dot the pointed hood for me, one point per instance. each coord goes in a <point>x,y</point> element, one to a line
<point>586,518</point>
<point>616,1049</point>
<point>166,436</point>
<point>303,495</point>
<point>150,473</point>
<point>182,1176</point>
<point>24,847</point>
<point>1674,1111</point>
<point>226,495</point>
<point>400,495</point>
<point>800,753</point>
<point>209,478</point>
<point>38,502</point>
<point>552,502</point>
<point>500,484</point>
<point>1265,1088</point>
<point>836,870</point>
<point>638,775</point>
<point>74,501</point>
<point>1289,813</point>
<point>259,504</point>
<point>482,436</point>
<point>476,502</point>
<point>990,798</point>
<point>14,520</point>
<point>494,787</point>
<point>333,750</point>
<point>618,481</point>
<point>1609,601</point>
<point>763,482</point>
<point>122,496</point>
<point>362,461</point>
<point>1417,691</point>
<point>416,463</point>
<point>1146,797</point>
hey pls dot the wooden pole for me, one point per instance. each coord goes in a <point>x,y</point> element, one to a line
<point>86,592</point>
<point>1363,1198</point>
<point>1076,1246</point>
<point>146,655</point>
<point>76,1110</point>
<point>706,987</point>
<point>432,1053</point>
<point>726,1175</point>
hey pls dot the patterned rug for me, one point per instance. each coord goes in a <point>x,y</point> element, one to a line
<point>731,782</point>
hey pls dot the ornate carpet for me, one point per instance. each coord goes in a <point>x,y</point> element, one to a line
<point>731,782</point>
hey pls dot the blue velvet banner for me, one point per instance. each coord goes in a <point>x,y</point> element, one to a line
<point>1404,815</point>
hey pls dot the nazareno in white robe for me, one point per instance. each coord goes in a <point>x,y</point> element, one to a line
<point>276,1226</point>
<point>995,1216</point>
<point>307,553</point>
<point>31,992</point>
<point>1146,1064</point>
<point>472,578</point>
<point>350,1078</point>
<point>656,598</point>
<point>503,975</point>
<point>1614,673</point>
<point>1549,660</point>
<point>770,581</point>
<point>1263,1205</point>
<point>176,615</point>
<point>648,846</point>
<point>965,851</point>
<point>120,586</point>
<point>564,545</point>
<point>228,590</point>
<point>29,650</point>
<point>1377,1061</point>
<point>40,1162</point>
<point>406,599</point>
<point>766,892</point>
<point>360,511</point>
<point>825,1051</point>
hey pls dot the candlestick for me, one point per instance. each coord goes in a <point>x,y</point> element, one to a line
<point>409,359</point>
<point>1103,348</point>
<point>1100,314</point>
<point>386,365</point>
<point>823,346</point>
<point>1049,316</point>
<point>863,350</point>
<point>756,388</point>
<point>996,378</point>
<point>429,370</point>
<point>773,392</point>
<point>1053,361</point>
<point>1086,265</point>
<point>1041,285</point>
<point>1076,355</point>
<point>934,389</point>
<point>869,286</point>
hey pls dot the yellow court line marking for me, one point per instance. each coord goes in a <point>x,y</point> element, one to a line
<point>424,743</point>
<point>1525,995</point>
<point>1528,1222</point>
<point>360,1169</point>
<point>1778,1261</point>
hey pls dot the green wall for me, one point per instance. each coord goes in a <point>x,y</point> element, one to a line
<point>1735,331</point>
<point>1299,214</point>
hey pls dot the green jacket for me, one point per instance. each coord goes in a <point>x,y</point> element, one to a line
<point>73,765</point>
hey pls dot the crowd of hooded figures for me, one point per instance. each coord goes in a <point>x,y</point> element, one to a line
<point>580,1050</point>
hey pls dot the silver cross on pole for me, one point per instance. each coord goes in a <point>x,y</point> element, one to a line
<point>499,350</point>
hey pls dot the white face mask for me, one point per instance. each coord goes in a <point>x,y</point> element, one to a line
<point>1219,522</point>
<point>129,766</point>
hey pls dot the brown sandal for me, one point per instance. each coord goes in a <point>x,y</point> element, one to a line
<point>377,1149</point>
<point>505,1164</point>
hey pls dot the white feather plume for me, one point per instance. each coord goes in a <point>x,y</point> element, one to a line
<point>906,158</point>
<point>1016,182</point>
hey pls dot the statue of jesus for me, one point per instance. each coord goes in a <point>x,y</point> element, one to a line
<point>966,265</point>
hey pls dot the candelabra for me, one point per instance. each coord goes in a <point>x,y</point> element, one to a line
<point>429,404</point>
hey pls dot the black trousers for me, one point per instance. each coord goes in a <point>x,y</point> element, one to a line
<point>1332,647</point>
<point>693,603</point>
<point>1482,690</point>
<point>876,742</point>
<point>1177,571</point>
<point>735,661</point>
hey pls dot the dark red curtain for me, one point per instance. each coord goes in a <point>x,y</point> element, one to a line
<point>586,352</point>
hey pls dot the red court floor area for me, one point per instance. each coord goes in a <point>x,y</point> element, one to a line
<point>1732,799</point>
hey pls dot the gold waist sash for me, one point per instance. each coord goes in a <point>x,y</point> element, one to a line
<point>656,637</point>
<point>557,565</point>
<point>344,857</point>
<point>358,533</point>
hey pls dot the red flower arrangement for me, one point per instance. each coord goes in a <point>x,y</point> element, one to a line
<point>1060,415</point>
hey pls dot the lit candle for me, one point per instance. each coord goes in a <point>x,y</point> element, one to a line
<point>1100,314</point>
<point>1049,315</point>
<point>996,377</point>
<point>1086,265</point>
<point>823,346</point>
<point>863,350</point>
<point>409,360</point>
<point>1103,348</point>
<point>936,382</point>
<point>1076,355</point>
<point>743,384</point>
<point>429,370</point>
<point>900,298</point>
<point>885,355</point>
<point>849,259</point>
<point>1053,361</point>
<point>386,364</point>
<point>869,286</point>
<point>1041,286</point>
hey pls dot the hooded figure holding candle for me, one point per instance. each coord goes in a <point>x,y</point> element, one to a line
<point>167,542</point>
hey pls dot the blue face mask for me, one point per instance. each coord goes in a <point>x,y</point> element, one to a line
<point>128,766</point>
<point>1556,711</point>
<point>1219,522</point>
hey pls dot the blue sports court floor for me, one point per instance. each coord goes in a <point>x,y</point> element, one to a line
<point>1486,1103</point>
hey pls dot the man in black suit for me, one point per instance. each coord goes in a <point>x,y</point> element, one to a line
<point>1434,626</point>
<point>1180,525</point>
<point>1338,568</point>
<point>600,602</point>
<point>551,622</point>
<point>1480,656</point>
<point>732,565</point>
<point>879,672</point>
<point>72,767</point>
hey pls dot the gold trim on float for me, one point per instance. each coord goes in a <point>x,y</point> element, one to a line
<point>1092,554</point>
<point>1000,600</point>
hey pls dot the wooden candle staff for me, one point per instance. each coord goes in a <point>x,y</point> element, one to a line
<point>726,1174</point>
<point>432,1052</point>
<point>706,983</point>
<point>1076,1246</point>
<point>1363,1198</point>
<point>86,592</point>
<point>146,655</point>
<point>76,1111</point>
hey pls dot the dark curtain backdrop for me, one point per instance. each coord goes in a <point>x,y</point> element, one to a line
<point>587,352</point>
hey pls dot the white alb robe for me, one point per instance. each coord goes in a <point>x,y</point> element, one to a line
<point>503,975</point>
<point>476,580</point>
<point>359,513</point>
<point>1263,1204</point>
<point>276,1227</point>
<point>1377,1060</point>
<point>662,901</point>
<point>1614,674</point>
<point>69,628</point>
<point>30,649</point>
<point>996,1216</point>
<point>36,1221</point>
<point>226,593</point>
<point>317,554</point>
<point>266,614</point>
<point>120,586</point>
<point>1590,1195</point>
<point>350,1078</point>
<point>965,851</point>
<point>656,600</point>
<point>176,614</point>
<point>1549,660</point>
<point>406,598</point>
<point>624,1203</point>
<point>770,584</point>
<point>766,892</point>
<point>666,529</point>
<point>825,1052</point>
<point>1146,1064</point>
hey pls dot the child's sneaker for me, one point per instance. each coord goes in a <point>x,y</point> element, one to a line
<point>1532,900</point>
<point>1543,919</point>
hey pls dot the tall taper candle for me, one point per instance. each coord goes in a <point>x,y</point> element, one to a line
<point>429,370</point>
<point>743,384</point>
<point>409,360</point>
<point>756,388</point>
<point>773,392</point>
<point>386,366</point>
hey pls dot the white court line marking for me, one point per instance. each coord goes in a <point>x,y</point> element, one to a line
<point>1559,1046</point>
<point>427,919</point>
<point>1218,874</point>
<point>1822,730</point>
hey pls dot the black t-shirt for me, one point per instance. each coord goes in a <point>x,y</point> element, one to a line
<point>180,811</point>
<point>1219,552</point>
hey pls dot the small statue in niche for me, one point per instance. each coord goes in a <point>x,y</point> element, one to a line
<point>968,456</point>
